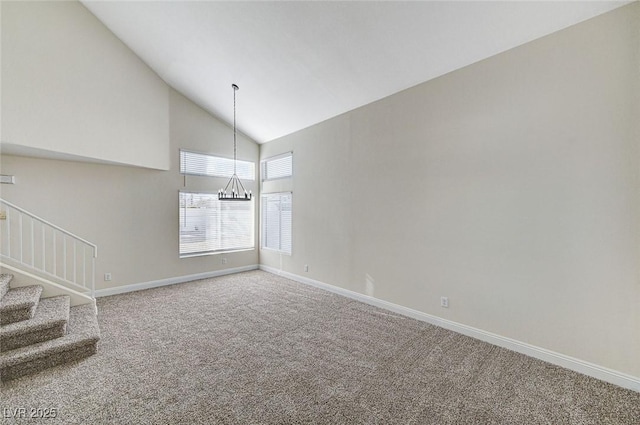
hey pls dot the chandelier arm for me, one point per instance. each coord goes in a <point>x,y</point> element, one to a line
<point>241,185</point>
<point>227,186</point>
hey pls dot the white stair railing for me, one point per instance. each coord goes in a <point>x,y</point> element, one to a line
<point>42,247</point>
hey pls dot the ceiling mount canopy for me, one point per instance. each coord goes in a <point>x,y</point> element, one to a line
<point>234,190</point>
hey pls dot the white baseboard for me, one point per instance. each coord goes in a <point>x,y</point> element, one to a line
<point>171,281</point>
<point>577,365</point>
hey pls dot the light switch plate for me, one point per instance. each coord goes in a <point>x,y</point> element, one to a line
<point>5,179</point>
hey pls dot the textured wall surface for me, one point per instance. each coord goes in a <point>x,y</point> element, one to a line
<point>510,186</point>
<point>69,86</point>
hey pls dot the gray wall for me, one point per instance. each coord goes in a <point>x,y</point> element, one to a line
<point>131,213</point>
<point>510,186</point>
<point>71,87</point>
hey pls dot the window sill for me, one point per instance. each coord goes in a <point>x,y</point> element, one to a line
<point>204,254</point>
<point>276,251</point>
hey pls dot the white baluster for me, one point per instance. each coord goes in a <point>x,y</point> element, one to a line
<point>64,257</point>
<point>21,235</point>
<point>55,256</point>
<point>33,248</point>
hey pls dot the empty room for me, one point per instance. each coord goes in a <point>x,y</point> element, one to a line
<point>323,212</point>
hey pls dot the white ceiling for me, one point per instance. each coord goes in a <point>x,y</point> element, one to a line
<point>300,63</point>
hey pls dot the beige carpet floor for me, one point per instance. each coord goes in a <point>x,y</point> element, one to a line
<point>254,348</point>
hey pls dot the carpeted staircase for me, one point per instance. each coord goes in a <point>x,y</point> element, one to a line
<point>38,333</point>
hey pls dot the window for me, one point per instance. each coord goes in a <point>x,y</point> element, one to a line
<point>277,167</point>
<point>276,222</point>
<point>208,225</point>
<point>200,164</point>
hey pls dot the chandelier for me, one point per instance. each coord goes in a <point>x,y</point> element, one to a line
<point>234,190</point>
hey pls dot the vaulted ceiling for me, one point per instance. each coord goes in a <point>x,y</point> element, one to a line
<point>300,63</point>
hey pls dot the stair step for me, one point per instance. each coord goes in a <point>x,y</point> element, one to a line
<point>5,279</point>
<point>80,341</point>
<point>19,304</point>
<point>49,322</point>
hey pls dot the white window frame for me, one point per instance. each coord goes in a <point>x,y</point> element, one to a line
<point>214,197</point>
<point>263,225</point>
<point>183,166</point>
<point>264,166</point>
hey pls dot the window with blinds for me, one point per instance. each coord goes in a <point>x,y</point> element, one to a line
<point>276,222</point>
<point>277,167</point>
<point>208,225</point>
<point>200,164</point>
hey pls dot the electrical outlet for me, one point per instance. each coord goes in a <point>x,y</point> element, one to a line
<point>444,302</point>
<point>224,260</point>
<point>107,277</point>
<point>306,268</point>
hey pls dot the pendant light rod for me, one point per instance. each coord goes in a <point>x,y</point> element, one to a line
<point>234,190</point>
<point>235,89</point>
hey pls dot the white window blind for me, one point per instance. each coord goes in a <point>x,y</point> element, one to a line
<point>200,164</point>
<point>276,222</point>
<point>208,225</point>
<point>278,167</point>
